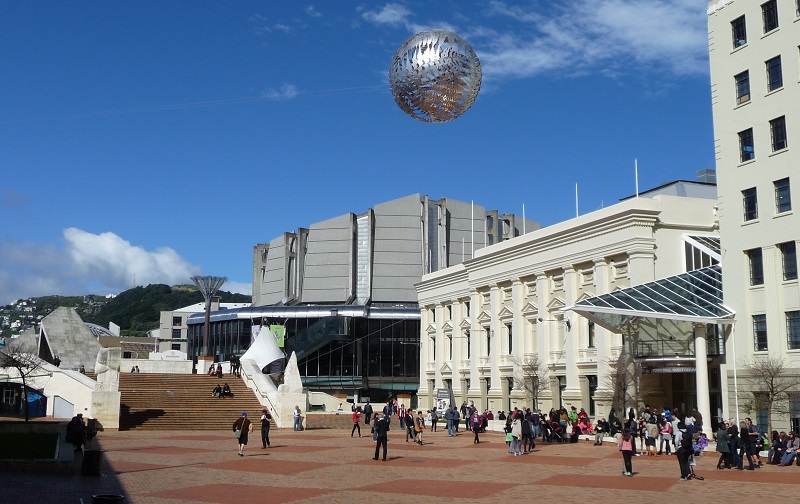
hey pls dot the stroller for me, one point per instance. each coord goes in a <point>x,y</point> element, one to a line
<point>556,432</point>
<point>692,463</point>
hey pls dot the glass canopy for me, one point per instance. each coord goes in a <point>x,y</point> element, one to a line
<point>695,296</point>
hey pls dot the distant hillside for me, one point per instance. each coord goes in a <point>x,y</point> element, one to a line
<point>138,310</point>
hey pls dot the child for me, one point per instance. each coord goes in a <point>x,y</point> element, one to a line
<point>626,447</point>
<point>702,443</point>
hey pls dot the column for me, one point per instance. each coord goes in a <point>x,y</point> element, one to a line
<point>701,375</point>
<point>572,394</point>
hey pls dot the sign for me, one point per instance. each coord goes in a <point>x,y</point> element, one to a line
<point>444,399</point>
<point>674,369</point>
<point>278,332</point>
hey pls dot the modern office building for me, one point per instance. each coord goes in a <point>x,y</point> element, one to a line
<point>633,287</point>
<point>340,294</point>
<point>172,334</point>
<point>754,50</point>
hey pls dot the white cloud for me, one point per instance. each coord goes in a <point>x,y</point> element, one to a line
<point>312,11</point>
<point>238,287</point>
<point>86,264</point>
<point>606,36</point>
<point>285,92</point>
<point>391,14</point>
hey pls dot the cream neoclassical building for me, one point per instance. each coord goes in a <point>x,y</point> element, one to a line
<point>541,296</point>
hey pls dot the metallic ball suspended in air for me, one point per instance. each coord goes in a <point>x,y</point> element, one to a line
<point>435,76</point>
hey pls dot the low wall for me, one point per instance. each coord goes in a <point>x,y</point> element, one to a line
<point>63,459</point>
<point>156,366</point>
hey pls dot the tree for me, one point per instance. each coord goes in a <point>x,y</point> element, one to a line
<point>623,381</point>
<point>530,375</point>
<point>770,383</point>
<point>24,361</point>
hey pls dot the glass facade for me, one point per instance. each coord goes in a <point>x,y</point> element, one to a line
<point>379,357</point>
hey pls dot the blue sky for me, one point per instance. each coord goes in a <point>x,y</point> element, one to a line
<point>157,140</point>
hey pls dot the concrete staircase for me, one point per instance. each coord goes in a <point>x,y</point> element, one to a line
<point>152,401</point>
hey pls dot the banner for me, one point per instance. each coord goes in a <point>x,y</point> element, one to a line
<point>278,332</point>
<point>444,399</point>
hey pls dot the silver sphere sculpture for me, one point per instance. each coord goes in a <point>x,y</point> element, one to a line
<point>435,76</point>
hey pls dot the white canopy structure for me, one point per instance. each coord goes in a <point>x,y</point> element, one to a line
<point>264,350</point>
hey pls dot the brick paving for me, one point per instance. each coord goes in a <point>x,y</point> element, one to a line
<point>173,467</point>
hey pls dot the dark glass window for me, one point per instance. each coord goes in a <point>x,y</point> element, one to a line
<point>742,87</point>
<point>760,332</point>
<point>750,203</point>
<point>739,32</point>
<point>774,74</point>
<point>769,12</point>
<point>177,321</point>
<point>176,333</point>
<point>756,267</point>
<point>793,329</point>
<point>746,148</point>
<point>789,260</point>
<point>783,196</point>
<point>777,128</point>
<point>510,333</point>
<point>591,334</point>
<point>176,346</point>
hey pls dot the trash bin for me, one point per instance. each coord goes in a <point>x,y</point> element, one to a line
<point>107,499</point>
<point>91,462</point>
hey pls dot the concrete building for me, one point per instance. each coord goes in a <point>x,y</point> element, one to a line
<point>341,292</point>
<point>516,304</point>
<point>172,329</point>
<point>754,50</point>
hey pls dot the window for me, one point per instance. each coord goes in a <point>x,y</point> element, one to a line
<point>176,333</point>
<point>783,196</point>
<point>742,87</point>
<point>746,150</point>
<point>789,259</point>
<point>794,409</point>
<point>488,341</point>
<point>774,75</point>
<point>769,11</point>
<point>756,267</point>
<point>592,382</point>
<point>177,321</point>
<point>760,332</point>
<point>750,203</point>
<point>449,347</point>
<point>590,332</point>
<point>739,32</point>
<point>466,335</point>
<point>176,346</point>
<point>510,334</point>
<point>793,329</point>
<point>433,348</point>
<point>778,129</point>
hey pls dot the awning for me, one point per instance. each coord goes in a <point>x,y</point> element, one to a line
<point>695,296</point>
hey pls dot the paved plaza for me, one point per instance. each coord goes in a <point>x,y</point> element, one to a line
<point>327,465</point>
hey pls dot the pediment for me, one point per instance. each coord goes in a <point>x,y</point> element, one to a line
<point>431,329</point>
<point>448,326</point>
<point>530,310</point>
<point>505,313</point>
<point>445,369</point>
<point>484,317</point>
<point>465,324</point>
<point>556,304</point>
<point>585,295</point>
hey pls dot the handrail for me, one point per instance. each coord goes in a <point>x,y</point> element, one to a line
<point>255,386</point>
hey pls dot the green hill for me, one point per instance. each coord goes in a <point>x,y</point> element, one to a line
<point>138,310</point>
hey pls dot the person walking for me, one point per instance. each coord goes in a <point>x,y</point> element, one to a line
<point>381,430</point>
<point>409,424</point>
<point>419,426</point>
<point>516,432</point>
<point>723,447</point>
<point>356,424</point>
<point>367,413</point>
<point>266,418</point>
<point>241,428</point>
<point>626,447</point>
<point>298,419</point>
<point>475,422</point>
<point>683,452</point>
<point>448,418</point>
